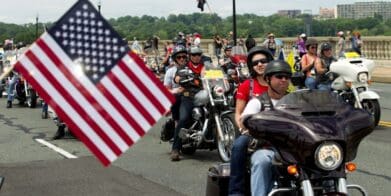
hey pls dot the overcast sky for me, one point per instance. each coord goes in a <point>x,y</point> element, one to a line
<point>25,11</point>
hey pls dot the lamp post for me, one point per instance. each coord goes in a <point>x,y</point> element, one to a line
<point>99,5</point>
<point>234,21</point>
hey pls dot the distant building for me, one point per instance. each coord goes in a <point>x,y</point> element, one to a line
<point>364,10</point>
<point>326,13</point>
<point>289,13</point>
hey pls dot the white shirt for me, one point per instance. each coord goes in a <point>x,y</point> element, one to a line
<point>169,77</point>
<point>254,106</point>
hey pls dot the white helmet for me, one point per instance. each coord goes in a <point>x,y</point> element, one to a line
<point>303,35</point>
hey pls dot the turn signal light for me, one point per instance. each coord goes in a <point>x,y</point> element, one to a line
<point>351,167</point>
<point>292,170</point>
<point>369,82</point>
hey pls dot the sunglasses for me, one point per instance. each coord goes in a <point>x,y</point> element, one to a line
<point>181,57</point>
<point>197,54</point>
<point>312,47</point>
<point>262,61</point>
<point>282,75</point>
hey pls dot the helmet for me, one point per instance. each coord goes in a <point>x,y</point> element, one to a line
<point>277,66</point>
<point>311,41</point>
<point>228,47</point>
<point>178,49</point>
<point>325,46</point>
<point>340,33</point>
<point>303,35</point>
<point>195,50</point>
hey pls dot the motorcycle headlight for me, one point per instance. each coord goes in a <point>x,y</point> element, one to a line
<point>328,156</point>
<point>218,91</point>
<point>362,77</point>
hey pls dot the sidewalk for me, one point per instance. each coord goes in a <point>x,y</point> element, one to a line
<point>382,71</point>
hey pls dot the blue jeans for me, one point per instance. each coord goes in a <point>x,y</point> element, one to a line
<point>262,172</point>
<point>238,165</point>
<point>185,110</point>
<point>324,86</point>
<point>11,87</point>
<point>310,83</point>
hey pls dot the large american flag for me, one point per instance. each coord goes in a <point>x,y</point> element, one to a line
<point>84,70</point>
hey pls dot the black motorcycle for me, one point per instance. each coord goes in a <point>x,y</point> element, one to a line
<point>213,125</point>
<point>316,135</point>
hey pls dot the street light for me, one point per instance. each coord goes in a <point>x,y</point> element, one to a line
<point>234,21</point>
<point>36,27</point>
<point>99,5</point>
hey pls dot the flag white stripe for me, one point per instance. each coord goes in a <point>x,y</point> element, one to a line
<point>91,88</point>
<point>125,103</point>
<point>67,108</point>
<point>84,103</point>
<point>129,84</point>
<point>155,91</point>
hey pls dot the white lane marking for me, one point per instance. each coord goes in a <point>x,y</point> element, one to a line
<point>57,149</point>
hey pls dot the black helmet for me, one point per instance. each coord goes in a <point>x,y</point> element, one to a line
<point>310,41</point>
<point>228,47</point>
<point>325,46</point>
<point>257,50</point>
<point>178,49</point>
<point>277,66</point>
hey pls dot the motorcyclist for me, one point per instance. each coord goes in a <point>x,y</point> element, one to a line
<point>277,75</point>
<point>193,69</point>
<point>226,61</point>
<point>180,52</point>
<point>11,86</point>
<point>310,61</point>
<point>326,58</point>
<point>257,59</point>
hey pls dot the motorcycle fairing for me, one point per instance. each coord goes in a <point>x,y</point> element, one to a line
<point>304,119</point>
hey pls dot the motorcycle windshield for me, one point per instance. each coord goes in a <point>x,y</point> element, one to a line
<point>214,87</point>
<point>302,120</point>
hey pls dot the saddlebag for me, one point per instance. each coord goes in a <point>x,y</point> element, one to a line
<point>218,180</point>
<point>168,130</point>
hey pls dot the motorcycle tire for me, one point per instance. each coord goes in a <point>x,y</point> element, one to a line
<point>32,99</point>
<point>230,132</point>
<point>373,107</point>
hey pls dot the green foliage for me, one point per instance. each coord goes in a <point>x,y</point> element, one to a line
<point>211,24</point>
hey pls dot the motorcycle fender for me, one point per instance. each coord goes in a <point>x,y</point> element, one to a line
<point>226,112</point>
<point>368,95</point>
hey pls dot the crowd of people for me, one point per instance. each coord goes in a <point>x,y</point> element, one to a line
<point>267,83</point>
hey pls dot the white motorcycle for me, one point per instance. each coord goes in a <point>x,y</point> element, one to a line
<point>350,78</point>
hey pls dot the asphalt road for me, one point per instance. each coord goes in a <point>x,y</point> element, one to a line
<point>31,168</point>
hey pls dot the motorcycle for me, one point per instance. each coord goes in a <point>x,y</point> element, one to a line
<point>350,78</point>
<point>22,91</point>
<point>213,125</point>
<point>315,135</point>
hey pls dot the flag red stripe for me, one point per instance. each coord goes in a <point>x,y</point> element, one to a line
<point>152,76</point>
<point>141,86</point>
<point>90,98</point>
<point>75,104</point>
<point>140,131</point>
<point>131,98</point>
<point>72,125</point>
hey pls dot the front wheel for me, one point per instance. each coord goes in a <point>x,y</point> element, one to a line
<point>230,132</point>
<point>373,107</point>
<point>32,98</point>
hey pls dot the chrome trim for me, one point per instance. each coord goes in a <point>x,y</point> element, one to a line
<point>307,188</point>
<point>342,188</point>
<point>359,188</point>
<point>274,191</point>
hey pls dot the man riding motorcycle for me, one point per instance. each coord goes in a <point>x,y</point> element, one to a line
<point>326,58</point>
<point>277,75</point>
<point>190,88</point>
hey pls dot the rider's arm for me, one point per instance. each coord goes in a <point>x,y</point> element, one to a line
<point>240,105</point>
<point>306,65</point>
<point>320,69</point>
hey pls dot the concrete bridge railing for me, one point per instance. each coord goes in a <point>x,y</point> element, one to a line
<point>376,48</point>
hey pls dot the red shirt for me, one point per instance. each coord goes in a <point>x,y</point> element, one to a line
<point>195,69</point>
<point>243,92</point>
